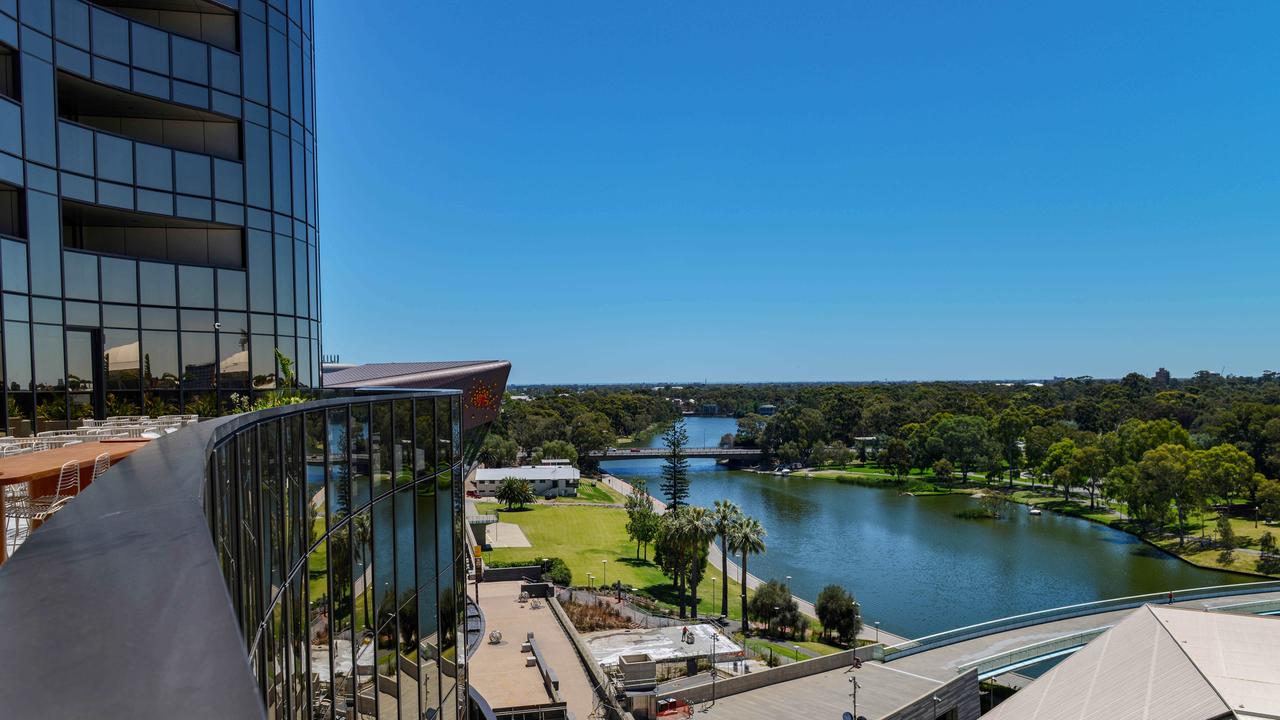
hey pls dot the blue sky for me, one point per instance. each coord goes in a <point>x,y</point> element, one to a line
<point>801,190</point>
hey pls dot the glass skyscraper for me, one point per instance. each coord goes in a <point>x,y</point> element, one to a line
<point>158,211</point>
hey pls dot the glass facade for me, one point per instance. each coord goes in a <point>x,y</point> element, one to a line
<point>338,531</point>
<point>158,211</point>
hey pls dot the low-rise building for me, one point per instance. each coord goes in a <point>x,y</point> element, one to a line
<point>550,479</point>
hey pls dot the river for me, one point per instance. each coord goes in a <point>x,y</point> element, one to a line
<point>910,562</point>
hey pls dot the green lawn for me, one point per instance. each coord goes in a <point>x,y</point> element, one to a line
<point>584,537</point>
<point>819,647</point>
<point>591,491</point>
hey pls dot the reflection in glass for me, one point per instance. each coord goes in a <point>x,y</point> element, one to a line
<point>233,359</point>
<point>315,476</point>
<point>339,483</point>
<point>402,459</point>
<point>343,657</point>
<point>198,360</point>
<point>318,621</point>
<point>159,359</point>
<point>384,572</point>
<point>380,457</point>
<point>17,355</point>
<point>48,346</point>
<point>362,591</point>
<point>424,459</point>
<point>360,459</point>
<point>428,623</point>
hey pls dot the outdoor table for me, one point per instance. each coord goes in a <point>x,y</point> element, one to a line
<point>40,470</point>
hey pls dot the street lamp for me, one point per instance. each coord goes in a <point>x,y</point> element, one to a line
<point>796,648</point>
<point>590,577</point>
<point>877,631</point>
<point>713,593</point>
<point>605,565</point>
<point>776,619</point>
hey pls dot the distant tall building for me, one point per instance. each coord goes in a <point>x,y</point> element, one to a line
<point>1162,377</point>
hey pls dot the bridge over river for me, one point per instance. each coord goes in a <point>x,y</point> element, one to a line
<point>657,453</point>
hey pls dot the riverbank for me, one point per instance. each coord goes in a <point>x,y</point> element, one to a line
<point>1194,551</point>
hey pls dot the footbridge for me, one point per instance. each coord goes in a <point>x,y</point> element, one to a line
<point>718,453</point>
<point>1002,646</point>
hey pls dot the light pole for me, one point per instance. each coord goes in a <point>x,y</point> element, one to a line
<point>796,648</point>
<point>605,575</point>
<point>877,631</point>
<point>589,578</point>
<point>714,636</point>
<point>776,620</point>
<point>854,694</point>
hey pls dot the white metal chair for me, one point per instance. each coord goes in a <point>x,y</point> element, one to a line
<point>101,464</point>
<point>18,527</point>
<point>42,508</point>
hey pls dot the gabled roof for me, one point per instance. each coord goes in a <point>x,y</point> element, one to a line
<point>1162,662</point>
<point>530,472</point>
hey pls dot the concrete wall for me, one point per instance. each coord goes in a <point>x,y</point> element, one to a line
<point>601,682</point>
<point>512,574</point>
<point>773,676</point>
<point>962,694</point>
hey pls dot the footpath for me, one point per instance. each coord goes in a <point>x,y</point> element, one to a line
<point>869,631</point>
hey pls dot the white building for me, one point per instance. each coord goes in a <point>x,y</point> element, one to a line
<point>548,480</point>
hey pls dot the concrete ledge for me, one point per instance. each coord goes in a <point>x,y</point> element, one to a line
<point>773,676</point>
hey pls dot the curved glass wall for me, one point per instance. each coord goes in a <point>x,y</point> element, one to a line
<point>158,209</point>
<point>338,531</point>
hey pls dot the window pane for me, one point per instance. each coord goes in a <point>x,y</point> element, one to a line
<point>119,280</point>
<point>15,266</point>
<point>315,475</point>
<point>339,483</point>
<point>382,448</point>
<point>49,357</point>
<point>198,360</point>
<point>121,359</point>
<point>360,460</point>
<point>17,355</point>
<point>80,273</point>
<point>157,284</point>
<point>196,284</point>
<point>159,359</point>
<point>402,459</point>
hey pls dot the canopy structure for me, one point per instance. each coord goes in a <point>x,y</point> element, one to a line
<point>1162,662</point>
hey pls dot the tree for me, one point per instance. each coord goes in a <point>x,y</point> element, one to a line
<point>498,451</point>
<point>964,439</point>
<point>557,450</point>
<point>838,611</point>
<point>724,514</point>
<point>675,468</point>
<point>1168,470</point>
<point>591,431</point>
<point>642,521</point>
<point>1226,538</point>
<point>1091,465</point>
<point>896,456</point>
<point>1225,470</point>
<point>773,604</point>
<point>1268,557</point>
<point>746,538</point>
<point>1059,456</point>
<point>943,469</point>
<point>1007,431</point>
<point>699,533</point>
<point>751,429</point>
<point>515,491</point>
<point>1269,499</point>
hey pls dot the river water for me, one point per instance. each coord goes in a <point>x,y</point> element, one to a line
<point>910,562</point>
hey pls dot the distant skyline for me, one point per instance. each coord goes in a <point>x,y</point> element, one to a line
<point>742,191</point>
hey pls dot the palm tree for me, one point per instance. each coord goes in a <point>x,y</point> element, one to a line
<point>746,537</point>
<point>515,491</point>
<point>699,531</point>
<point>724,514</point>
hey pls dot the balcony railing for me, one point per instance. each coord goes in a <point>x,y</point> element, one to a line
<point>119,607</point>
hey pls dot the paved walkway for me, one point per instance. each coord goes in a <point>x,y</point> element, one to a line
<point>498,672</point>
<point>942,662</point>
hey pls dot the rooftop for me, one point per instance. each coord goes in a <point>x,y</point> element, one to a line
<point>881,690</point>
<point>1166,662</point>
<point>530,472</point>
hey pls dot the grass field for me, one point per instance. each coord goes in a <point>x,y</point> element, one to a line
<point>590,491</point>
<point>584,537</point>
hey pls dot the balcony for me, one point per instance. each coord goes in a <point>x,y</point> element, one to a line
<point>110,231</point>
<point>146,119</point>
<point>199,20</point>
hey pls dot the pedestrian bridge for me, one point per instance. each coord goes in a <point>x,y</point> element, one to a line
<point>1009,644</point>
<point>718,453</point>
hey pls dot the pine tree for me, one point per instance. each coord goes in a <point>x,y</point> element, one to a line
<point>675,470</point>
